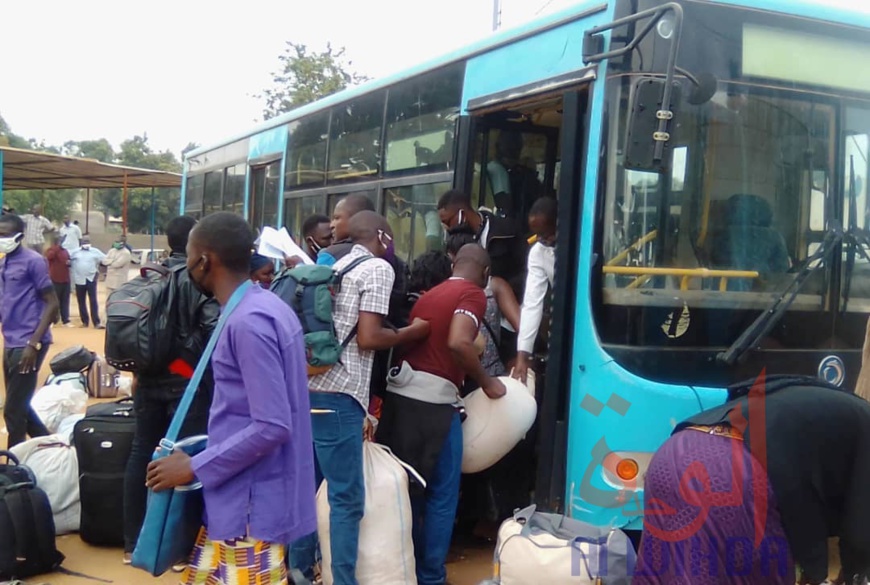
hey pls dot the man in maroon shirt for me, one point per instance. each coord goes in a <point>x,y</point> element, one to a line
<point>420,420</point>
<point>58,271</point>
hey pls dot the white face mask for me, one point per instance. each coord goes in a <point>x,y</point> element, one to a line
<point>86,246</point>
<point>10,244</point>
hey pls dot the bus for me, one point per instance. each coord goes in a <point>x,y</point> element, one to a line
<point>709,159</point>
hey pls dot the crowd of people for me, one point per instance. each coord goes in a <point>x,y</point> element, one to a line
<point>274,432</point>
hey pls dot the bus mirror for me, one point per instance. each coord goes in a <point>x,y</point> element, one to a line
<point>704,87</point>
<point>643,126</point>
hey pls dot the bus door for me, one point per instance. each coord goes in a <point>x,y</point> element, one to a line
<point>509,155</point>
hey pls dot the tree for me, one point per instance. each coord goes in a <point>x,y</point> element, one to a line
<point>136,152</point>
<point>99,150</point>
<point>307,76</point>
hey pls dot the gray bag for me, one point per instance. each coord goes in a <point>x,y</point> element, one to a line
<point>540,547</point>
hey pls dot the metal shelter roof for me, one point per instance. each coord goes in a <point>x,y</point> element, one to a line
<point>29,169</point>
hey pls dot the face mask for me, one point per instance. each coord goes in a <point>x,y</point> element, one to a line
<point>117,246</point>
<point>10,244</point>
<point>390,254</point>
<point>197,284</point>
<point>315,247</point>
<point>86,246</point>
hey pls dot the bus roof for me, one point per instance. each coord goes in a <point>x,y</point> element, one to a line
<point>806,8</point>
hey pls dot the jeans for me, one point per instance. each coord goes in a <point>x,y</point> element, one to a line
<point>21,420</point>
<point>338,457</point>
<point>435,512</point>
<point>154,407</point>
<point>88,289</point>
<point>61,289</point>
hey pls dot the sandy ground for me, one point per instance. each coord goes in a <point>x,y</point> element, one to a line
<point>473,564</point>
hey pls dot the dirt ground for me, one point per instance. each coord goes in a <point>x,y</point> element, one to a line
<point>473,564</point>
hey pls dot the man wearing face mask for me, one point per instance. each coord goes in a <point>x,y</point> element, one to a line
<point>158,394</point>
<point>316,236</point>
<point>84,269</point>
<point>539,280</point>
<point>340,397</point>
<point>117,262</point>
<point>28,307</point>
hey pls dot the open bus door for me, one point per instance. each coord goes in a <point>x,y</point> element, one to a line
<point>544,134</point>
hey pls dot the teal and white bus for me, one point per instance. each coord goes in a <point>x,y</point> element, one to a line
<point>710,163</point>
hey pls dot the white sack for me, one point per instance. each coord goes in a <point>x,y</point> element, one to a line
<point>55,402</point>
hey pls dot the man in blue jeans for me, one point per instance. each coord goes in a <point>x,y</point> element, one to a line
<point>420,421</point>
<point>340,397</point>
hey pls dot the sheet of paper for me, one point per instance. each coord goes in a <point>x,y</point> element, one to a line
<point>278,244</point>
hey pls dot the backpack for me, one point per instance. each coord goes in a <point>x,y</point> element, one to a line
<point>27,533</point>
<point>310,290</point>
<point>140,321</point>
<point>73,359</point>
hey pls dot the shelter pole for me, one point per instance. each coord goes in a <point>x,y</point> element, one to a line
<point>1,177</point>
<point>152,220</point>
<point>124,218</point>
<point>87,209</point>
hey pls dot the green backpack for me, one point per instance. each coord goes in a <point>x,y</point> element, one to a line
<point>310,290</point>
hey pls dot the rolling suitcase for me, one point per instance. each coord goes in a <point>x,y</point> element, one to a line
<point>103,440</point>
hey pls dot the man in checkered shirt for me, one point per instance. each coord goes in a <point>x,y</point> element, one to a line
<point>35,226</point>
<point>340,397</point>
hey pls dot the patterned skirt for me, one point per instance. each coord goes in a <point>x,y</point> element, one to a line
<point>243,561</point>
<point>710,516</point>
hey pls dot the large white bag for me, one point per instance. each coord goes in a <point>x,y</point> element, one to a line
<point>535,547</point>
<point>54,463</point>
<point>55,402</point>
<point>386,547</point>
<point>494,427</point>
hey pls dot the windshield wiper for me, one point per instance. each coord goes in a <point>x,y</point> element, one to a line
<point>771,316</point>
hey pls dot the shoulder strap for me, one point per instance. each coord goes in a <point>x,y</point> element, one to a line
<point>193,384</point>
<point>353,264</point>
<point>16,501</point>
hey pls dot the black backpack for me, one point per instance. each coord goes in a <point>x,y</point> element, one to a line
<point>73,359</point>
<point>140,321</point>
<point>27,533</point>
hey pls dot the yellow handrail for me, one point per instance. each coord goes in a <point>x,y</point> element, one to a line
<point>641,242</point>
<point>643,274</point>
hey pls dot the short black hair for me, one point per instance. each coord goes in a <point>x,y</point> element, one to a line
<point>177,232</point>
<point>429,270</point>
<point>228,236</point>
<point>454,197</point>
<point>311,223</point>
<point>356,202</point>
<point>15,220</point>
<point>544,207</point>
<point>458,238</point>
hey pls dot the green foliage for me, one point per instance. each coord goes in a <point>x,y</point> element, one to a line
<point>55,203</point>
<point>307,76</point>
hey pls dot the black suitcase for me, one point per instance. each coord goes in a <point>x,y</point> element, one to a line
<point>103,440</point>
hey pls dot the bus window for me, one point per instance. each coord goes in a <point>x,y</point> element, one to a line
<point>234,189</point>
<point>306,157</point>
<point>212,196</point>
<point>355,134</point>
<point>297,210</point>
<point>194,194</point>
<point>412,213</point>
<point>856,210</point>
<point>421,116</point>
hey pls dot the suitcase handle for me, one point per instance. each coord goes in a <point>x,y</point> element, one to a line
<point>10,457</point>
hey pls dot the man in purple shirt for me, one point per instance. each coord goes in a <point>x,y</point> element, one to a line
<point>258,470</point>
<point>27,307</point>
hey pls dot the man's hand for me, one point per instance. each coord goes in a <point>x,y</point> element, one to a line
<point>494,389</point>
<point>169,472</point>
<point>292,261</point>
<point>27,365</point>
<point>368,430</point>
<point>521,367</point>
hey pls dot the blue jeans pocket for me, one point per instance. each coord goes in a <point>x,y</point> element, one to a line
<point>326,427</point>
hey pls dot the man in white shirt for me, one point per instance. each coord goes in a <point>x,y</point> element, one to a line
<point>84,270</point>
<point>35,226</point>
<point>71,235</point>
<point>541,266</point>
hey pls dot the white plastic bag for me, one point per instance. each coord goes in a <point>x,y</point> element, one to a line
<point>494,427</point>
<point>56,467</point>
<point>67,425</point>
<point>386,547</point>
<point>55,402</point>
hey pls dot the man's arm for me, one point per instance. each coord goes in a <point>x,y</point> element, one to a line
<point>463,331</point>
<point>372,335</point>
<point>38,272</point>
<point>507,301</point>
<point>531,314</point>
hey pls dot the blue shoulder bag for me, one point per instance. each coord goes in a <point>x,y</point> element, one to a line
<point>173,517</point>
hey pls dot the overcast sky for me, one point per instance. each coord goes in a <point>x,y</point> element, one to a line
<point>186,70</point>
